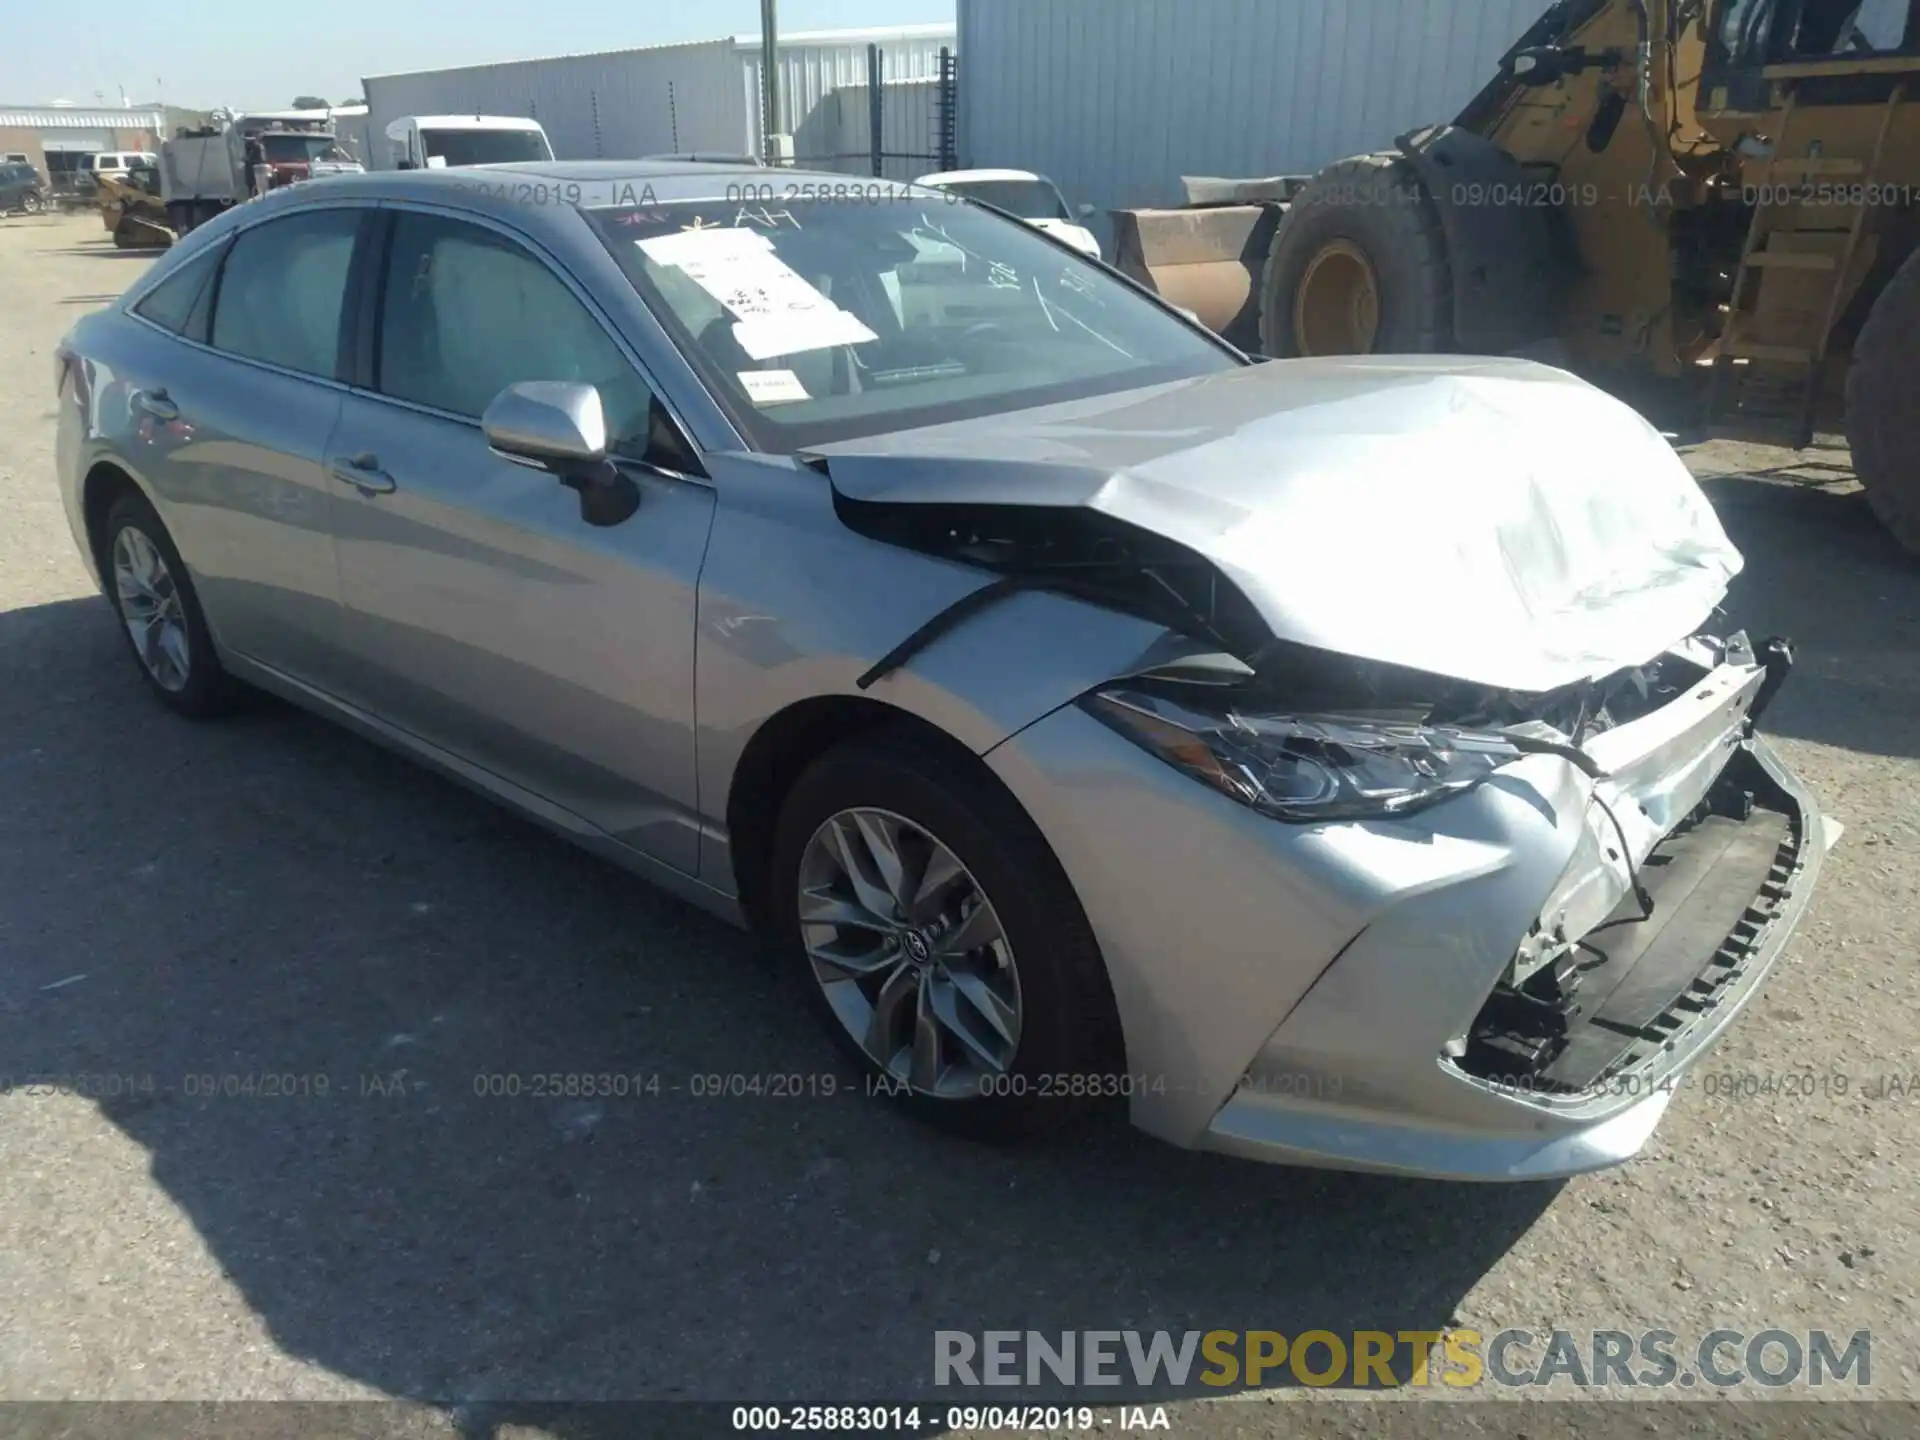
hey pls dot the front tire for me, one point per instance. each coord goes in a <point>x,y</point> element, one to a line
<point>940,941</point>
<point>1358,267</point>
<point>160,613</point>
<point>30,203</point>
<point>1883,406</point>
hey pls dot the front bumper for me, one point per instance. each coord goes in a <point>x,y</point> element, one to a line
<point>1302,994</point>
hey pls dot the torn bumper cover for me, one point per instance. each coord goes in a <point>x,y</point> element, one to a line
<point>1634,963</point>
<point>1475,990</point>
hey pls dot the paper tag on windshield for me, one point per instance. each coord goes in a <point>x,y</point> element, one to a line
<point>776,312</point>
<point>773,387</point>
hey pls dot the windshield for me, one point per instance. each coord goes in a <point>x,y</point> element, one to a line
<point>815,321</point>
<point>1029,199</point>
<point>294,149</point>
<point>485,147</point>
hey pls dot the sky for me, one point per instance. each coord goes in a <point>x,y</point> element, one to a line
<point>248,54</point>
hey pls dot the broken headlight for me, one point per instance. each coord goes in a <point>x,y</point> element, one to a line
<point>1306,767</point>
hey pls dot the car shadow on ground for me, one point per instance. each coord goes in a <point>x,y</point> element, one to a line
<point>1821,570</point>
<point>107,250</point>
<point>263,909</point>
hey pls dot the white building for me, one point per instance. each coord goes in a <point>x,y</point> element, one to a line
<point>1115,100</point>
<point>665,99</point>
<point>55,137</point>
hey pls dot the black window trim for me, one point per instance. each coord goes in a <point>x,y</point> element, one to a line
<point>367,315</point>
<point>217,252</point>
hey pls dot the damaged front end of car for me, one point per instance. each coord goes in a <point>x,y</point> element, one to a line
<point>1688,849</point>
<point>1694,838</point>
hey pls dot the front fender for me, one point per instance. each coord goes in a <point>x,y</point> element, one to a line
<point>795,606</point>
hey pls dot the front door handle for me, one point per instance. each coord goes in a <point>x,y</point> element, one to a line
<point>363,472</point>
<point>156,403</point>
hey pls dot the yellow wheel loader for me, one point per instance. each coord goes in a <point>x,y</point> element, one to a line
<point>130,208</point>
<point>1722,190</point>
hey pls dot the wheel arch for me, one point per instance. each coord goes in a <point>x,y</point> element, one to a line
<point>786,743</point>
<point>104,484</point>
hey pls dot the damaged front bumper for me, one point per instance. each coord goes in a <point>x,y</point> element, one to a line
<point>1635,963</point>
<point>1472,992</point>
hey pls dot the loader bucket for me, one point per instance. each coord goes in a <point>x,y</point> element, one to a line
<point>1206,260</point>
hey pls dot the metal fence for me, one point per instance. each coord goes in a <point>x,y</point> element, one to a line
<point>893,129</point>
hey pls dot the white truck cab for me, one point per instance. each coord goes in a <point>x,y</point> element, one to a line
<point>434,142</point>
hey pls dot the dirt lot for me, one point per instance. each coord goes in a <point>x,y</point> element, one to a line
<point>271,896</point>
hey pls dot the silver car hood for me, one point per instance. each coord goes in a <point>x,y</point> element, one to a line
<point>1492,520</point>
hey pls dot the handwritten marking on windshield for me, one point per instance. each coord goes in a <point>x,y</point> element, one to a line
<point>772,219</point>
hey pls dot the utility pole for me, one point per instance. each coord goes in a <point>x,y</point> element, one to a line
<point>769,78</point>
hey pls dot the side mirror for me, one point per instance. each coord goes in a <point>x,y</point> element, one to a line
<point>560,427</point>
<point>1085,209</point>
<point>551,425</point>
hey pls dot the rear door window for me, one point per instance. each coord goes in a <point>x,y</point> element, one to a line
<point>283,289</point>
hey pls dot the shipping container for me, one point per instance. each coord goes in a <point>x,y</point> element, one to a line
<point>1117,99</point>
<point>667,99</point>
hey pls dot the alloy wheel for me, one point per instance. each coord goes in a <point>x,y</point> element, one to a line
<point>909,952</point>
<point>151,609</point>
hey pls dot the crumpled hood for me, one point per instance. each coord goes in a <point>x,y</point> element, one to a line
<point>1493,520</point>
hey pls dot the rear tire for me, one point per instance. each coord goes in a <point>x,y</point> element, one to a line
<point>1054,1047</point>
<point>1361,224</point>
<point>1883,406</point>
<point>30,203</point>
<point>153,594</point>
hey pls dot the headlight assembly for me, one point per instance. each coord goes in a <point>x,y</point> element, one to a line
<point>1306,767</point>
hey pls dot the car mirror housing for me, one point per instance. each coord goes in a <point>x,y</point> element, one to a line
<point>554,425</point>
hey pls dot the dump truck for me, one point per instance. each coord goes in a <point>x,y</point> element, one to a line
<point>1724,192</point>
<point>214,167</point>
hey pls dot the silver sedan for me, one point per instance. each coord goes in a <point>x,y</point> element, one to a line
<point>1325,759</point>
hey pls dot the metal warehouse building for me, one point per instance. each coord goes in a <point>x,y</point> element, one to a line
<point>704,95</point>
<point>54,137</point>
<point>1117,99</point>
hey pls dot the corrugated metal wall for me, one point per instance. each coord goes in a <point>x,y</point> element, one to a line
<point>814,65</point>
<point>909,128</point>
<point>666,98</point>
<point>621,104</point>
<point>1117,99</point>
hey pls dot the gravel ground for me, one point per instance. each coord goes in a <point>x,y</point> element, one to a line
<point>272,896</point>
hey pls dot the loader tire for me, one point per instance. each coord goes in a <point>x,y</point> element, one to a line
<point>1883,406</point>
<point>1359,267</point>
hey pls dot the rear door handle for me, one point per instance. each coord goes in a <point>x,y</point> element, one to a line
<point>363,472</point>
<point>156,404</point>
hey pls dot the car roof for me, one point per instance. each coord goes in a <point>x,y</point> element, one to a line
<point>601,183</point>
